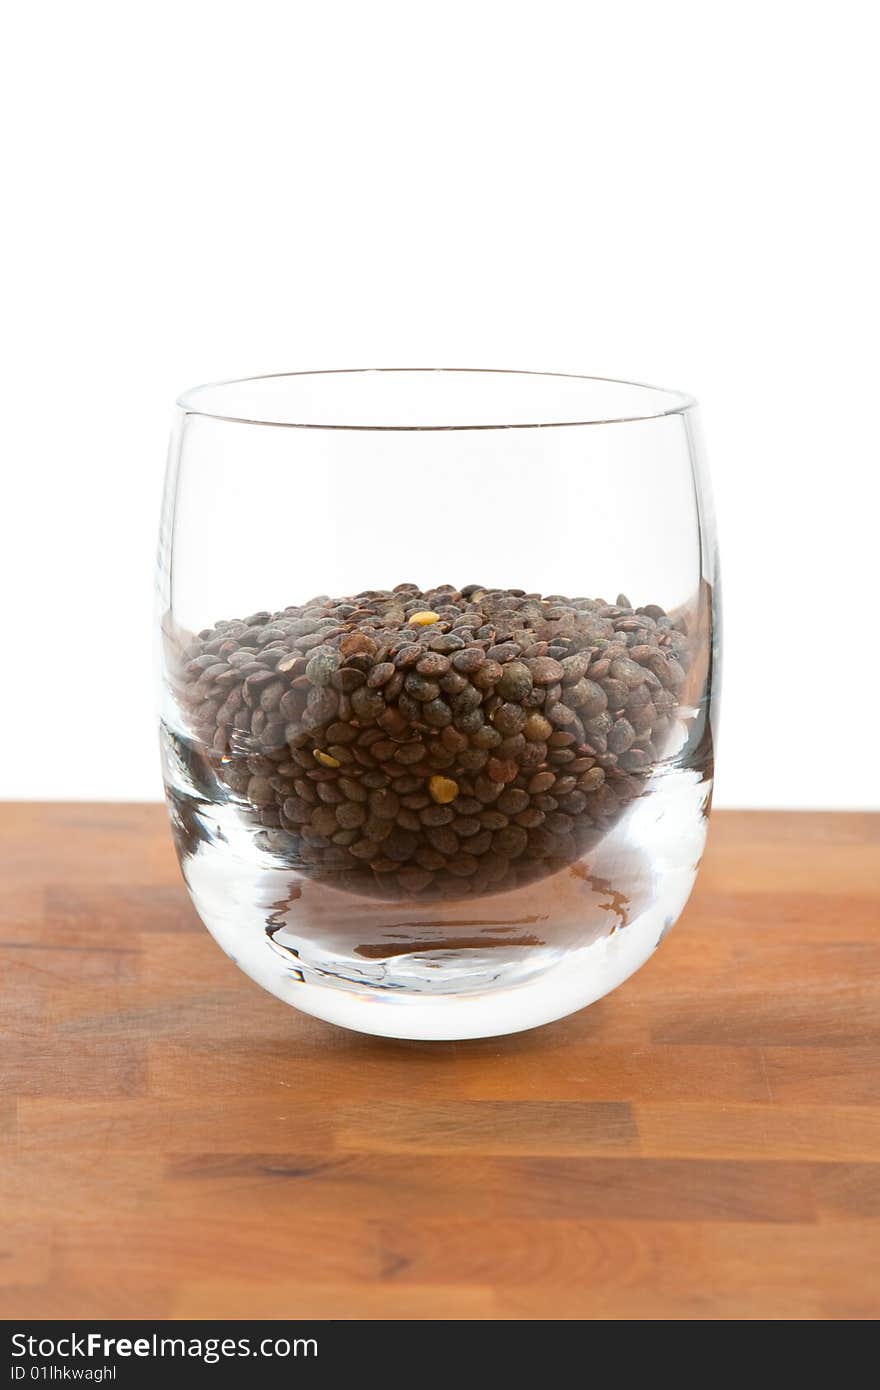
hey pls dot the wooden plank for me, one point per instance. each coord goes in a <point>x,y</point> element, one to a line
<point>703,1144</point>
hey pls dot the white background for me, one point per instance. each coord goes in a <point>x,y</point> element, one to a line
<point>681,192</point>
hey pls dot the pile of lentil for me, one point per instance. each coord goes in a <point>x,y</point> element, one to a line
<point>434,743</point>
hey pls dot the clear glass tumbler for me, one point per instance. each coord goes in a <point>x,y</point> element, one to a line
<point>431,774</point>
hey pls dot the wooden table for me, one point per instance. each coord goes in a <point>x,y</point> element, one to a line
<point>704,1143</point>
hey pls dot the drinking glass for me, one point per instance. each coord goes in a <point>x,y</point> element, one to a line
<point>438,678</point>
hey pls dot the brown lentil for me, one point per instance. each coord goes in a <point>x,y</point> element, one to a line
<point>433,743</point>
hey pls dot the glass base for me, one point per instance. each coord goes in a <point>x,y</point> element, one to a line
<point>579,979</point>
<point>470,969</point>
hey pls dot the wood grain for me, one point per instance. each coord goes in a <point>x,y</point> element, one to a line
<point>703,1144</point>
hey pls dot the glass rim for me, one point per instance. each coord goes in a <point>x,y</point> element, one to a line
<point>666,402</point>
